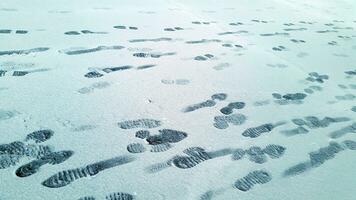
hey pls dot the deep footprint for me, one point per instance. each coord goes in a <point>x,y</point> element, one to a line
<point>166,136</point>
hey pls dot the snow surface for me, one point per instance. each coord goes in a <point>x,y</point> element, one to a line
<point>240,61</point>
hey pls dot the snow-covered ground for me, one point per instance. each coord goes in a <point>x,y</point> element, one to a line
<point>177,99</point>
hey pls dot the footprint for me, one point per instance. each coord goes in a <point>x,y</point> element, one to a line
<point>177,81</point>
<point>87,198</point>
<point>24,51</point>
<point>5,31</point>
<point>145,66</point>
<point>349,144</point>
<point>278,65</point>
<point>2,73</point>
<point>261,103</point>
<point>173,29</point>
<point>258,130</point>
<point>219,96</point>
<point>279,48</point>
<point>327,31</point>
<point>157,167</point>
<point>202,41</point>
<point>311,89</point>
<point>124,27</point>
<point>34,166</point>
<point>196,156</point>
<point>259,21</point>
<point>232,45</point>
<point>153,55</point>
<point>7,114</point>
<point>161,147</point>
<point>78,51</point>
<point>162,39</point>
<point>231,106</point>
<point>207,195</point>
<point>66,177</point>
<point>297,169</point>
<point>72,33</point>
<point>302,54</point>
<point>37,151</point>
<point>221,66</point>
<point>208,103</point>
<point>8,160</point>
<point>204,57</point>
<point>319,157</point>
<point>353,108</point>
<point>12,152</point>
<point>238,154</point>
<point>93,87</point>
<point>343,131</point>
<point>275,34</point>
<point>84,32</point>
<point>346,97</point>
<point>232,32</point>
<point>136,49</point>
<point>274,151</point>
<point>120,196</point>
<point>255,177</point>
<point>313,122</point>
<point>204,23</point>
<point>140,123</point>
<point>332,43</point>
<point>95,74</point>
<point>222,122</point>
<point>166,136</point>
<point>114,69</point>
<point>295,29</point>
<point>289,98</point>
<point>295,131</point>
<point>314,76</point>
<point>40,135</point>
<point>142,134</point>
<point>8,31</point>
<point>21,73</point>
<point>136,148</point>
<point>297,41</point>
<point>236,23</point>
<point>256,155</point>
<point>351,72</point>
<point>83,128</point>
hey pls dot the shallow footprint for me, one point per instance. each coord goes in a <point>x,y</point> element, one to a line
<point>136,148</point>
<point>223,121</point>
<point>139,123</point>
<point>40,136</point>
<point>255,177</point>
